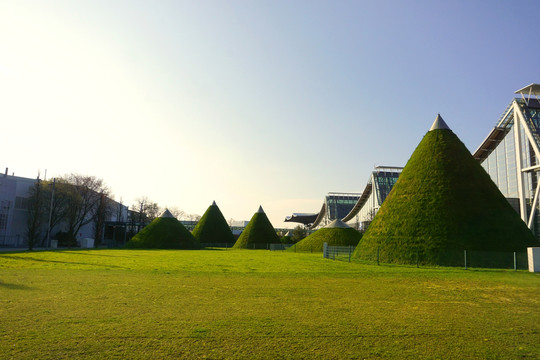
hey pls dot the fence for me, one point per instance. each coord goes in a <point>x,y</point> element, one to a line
<point>217,245</point>
<point>343,253</point>
<point>294,248</point>
<point>280,247</point>
<point>466,258</point>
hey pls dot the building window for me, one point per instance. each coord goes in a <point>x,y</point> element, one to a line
<point>3,221</point>
<point>21,203</point>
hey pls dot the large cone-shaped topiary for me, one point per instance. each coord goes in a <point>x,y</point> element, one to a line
<point>258,233</point>
<point>337,233</point>
<point>164,232</point>
<point>213,228</point>
<point>443,203</point>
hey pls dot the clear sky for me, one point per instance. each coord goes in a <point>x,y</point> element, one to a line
<point>249,103</point>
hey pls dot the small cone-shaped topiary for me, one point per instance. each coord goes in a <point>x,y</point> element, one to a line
<point>337,233</point>
<point>258,233</point>
<point>213,228</point>
<point>443,202</point>
<point>164,232</point>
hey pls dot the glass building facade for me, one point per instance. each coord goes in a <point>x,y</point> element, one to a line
<point>339,204</point>
<point>336,205</point>
<point>358,209</point>
<point>510,156</point>
<point>380,182</point>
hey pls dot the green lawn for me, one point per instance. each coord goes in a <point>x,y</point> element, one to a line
<point>256,304</point>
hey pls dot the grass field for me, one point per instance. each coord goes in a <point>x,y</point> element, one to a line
<point>250,304</point>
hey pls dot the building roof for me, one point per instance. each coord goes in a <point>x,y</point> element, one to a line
<point>302,218</point>
<point>319,217</point>
<point>532,89</point>
<point>360,203</point>
<point>490,143</point>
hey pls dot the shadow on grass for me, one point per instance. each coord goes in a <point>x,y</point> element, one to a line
<point>99,254</point>
<point>216,248</point>
<point>14,286</point>
<point>28,258</point>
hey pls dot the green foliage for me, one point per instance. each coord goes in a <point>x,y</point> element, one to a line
<point>162,304</point>
<point>299,232</point>
<point>163,233</point>
<point>286,239</point>
<point>443,200</point>
<point>332,236</point>
<point>213,228</point>
<point>258,233</point>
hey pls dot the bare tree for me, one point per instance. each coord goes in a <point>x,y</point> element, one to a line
<point>84,194</point>
<point>146,211</point>
<point>57,199</point>
<point>47,201</point>
<point>103,210</point>
<point>36,213</point>
<point>177,213</point>
<point>193,217</point>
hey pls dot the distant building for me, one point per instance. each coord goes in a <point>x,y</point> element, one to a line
<point>336,205</point>
<point>14,192</point>
<point>355,209</point>
<point>14,195</point>
<point>380,182</point>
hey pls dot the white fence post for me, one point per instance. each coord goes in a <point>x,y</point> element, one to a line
<point>533,258</point>
<point>325,250</point>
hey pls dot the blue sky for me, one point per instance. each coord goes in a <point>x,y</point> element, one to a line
<point>249,103</point>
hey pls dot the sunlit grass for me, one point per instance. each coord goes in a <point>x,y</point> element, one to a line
<point>258,305</point>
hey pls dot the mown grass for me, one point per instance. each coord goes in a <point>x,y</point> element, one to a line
<point>251,304</point>
<point>331,236</point>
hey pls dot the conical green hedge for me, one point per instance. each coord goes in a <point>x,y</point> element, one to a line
<point>213,228</point>
<point>258,233</point>
<point>442,202</point>
<point>334,236</point>
<point>165,232</point>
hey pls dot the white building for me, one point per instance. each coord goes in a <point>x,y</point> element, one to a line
<point>14,195</point>
<point>511,152</point>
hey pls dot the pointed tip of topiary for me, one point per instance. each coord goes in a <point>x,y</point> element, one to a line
<point>260,211</point>
<point>337,223</point>
<point>167,214</point>
<point>214,203</point>
<point>439,124</point>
